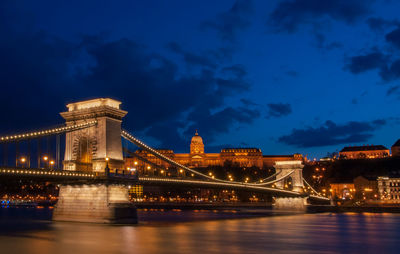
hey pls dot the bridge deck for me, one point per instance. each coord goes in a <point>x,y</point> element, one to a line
<point>81,177</point>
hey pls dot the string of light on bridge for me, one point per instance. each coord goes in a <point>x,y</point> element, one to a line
<point>228,184</point>
<point>57,130</point>
<point>43,172</point>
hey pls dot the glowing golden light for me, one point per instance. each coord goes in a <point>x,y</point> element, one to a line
<point>45,158</point>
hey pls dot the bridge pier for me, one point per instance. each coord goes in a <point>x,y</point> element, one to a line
<point>95,203</point>
<point>296,204</point>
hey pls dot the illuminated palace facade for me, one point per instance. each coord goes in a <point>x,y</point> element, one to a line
<point>197,158</point>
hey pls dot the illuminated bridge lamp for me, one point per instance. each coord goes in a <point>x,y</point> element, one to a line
<point>23,160</point>
<point>135,163</point>
<point>45,158</point>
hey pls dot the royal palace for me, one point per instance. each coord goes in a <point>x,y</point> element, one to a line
<point>197,158</point>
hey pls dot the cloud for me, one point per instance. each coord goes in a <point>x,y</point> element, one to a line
<point>392,72</point>
<point>278,110</point>
<point>191,58</point>
<point>229,23</point>
<point>331,133</point>
<point>394,90</point>
<point>366,62</point>
<point>153,82</point>
<point>320,42</point>
<point>248,102</point>
<point>289,15</point>
<point>394,37</point>
<point>210,124</point>
<point>388,68</point>
<point>42,70</point>
<point>292,73</point>
<point>378,24</point>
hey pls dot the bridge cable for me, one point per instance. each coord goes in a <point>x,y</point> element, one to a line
<point>47,132</point>
<point>309,185</point>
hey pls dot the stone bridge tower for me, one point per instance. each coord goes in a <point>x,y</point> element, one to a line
<point>290,203</point>
<point>296,177</point>
<point>88,148</point>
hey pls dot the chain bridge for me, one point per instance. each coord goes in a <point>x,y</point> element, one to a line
<point>93,179</point>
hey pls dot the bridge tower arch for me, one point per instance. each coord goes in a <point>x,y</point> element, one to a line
<point>293,170</point>
<point>87,149</point>
<point>284,168</point>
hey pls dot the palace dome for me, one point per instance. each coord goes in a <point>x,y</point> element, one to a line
<point>196,145</point>
<point>196,139</point>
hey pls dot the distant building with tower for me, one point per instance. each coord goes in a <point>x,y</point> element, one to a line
<point>197,158</point>
<point>364,152</point>
<point>396,148</point>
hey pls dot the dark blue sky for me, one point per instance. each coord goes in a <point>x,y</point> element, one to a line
<point>288,76</point>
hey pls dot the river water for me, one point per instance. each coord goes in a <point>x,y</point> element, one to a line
<point>206,232</point>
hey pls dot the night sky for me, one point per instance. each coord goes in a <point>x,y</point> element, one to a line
<point>305,76</point>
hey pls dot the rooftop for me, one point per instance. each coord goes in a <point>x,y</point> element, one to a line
<point>363,148</point>
<point>93,103</point>
<point>397,143</point>
<point>237,149</point>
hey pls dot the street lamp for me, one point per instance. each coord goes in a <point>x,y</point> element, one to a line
<point>22,161</point>
<point>107,169</point>
<point>51,164</point>
<point>46,159</point>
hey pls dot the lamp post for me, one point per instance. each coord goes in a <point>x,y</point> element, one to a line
<point>107,169</point>
<point>46,159</point>
<point>51,164</point>
<point>22,161</point>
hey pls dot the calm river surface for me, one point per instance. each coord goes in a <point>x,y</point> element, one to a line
<point>205,232</point>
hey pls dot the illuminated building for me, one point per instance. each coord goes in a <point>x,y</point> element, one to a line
<point>197,158</point>
<point>364,152</point>
<point>396,148</point>
<point>362,188</point>
<point>366,188</point>
<point>389,189</point>
<point>342,190</point>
